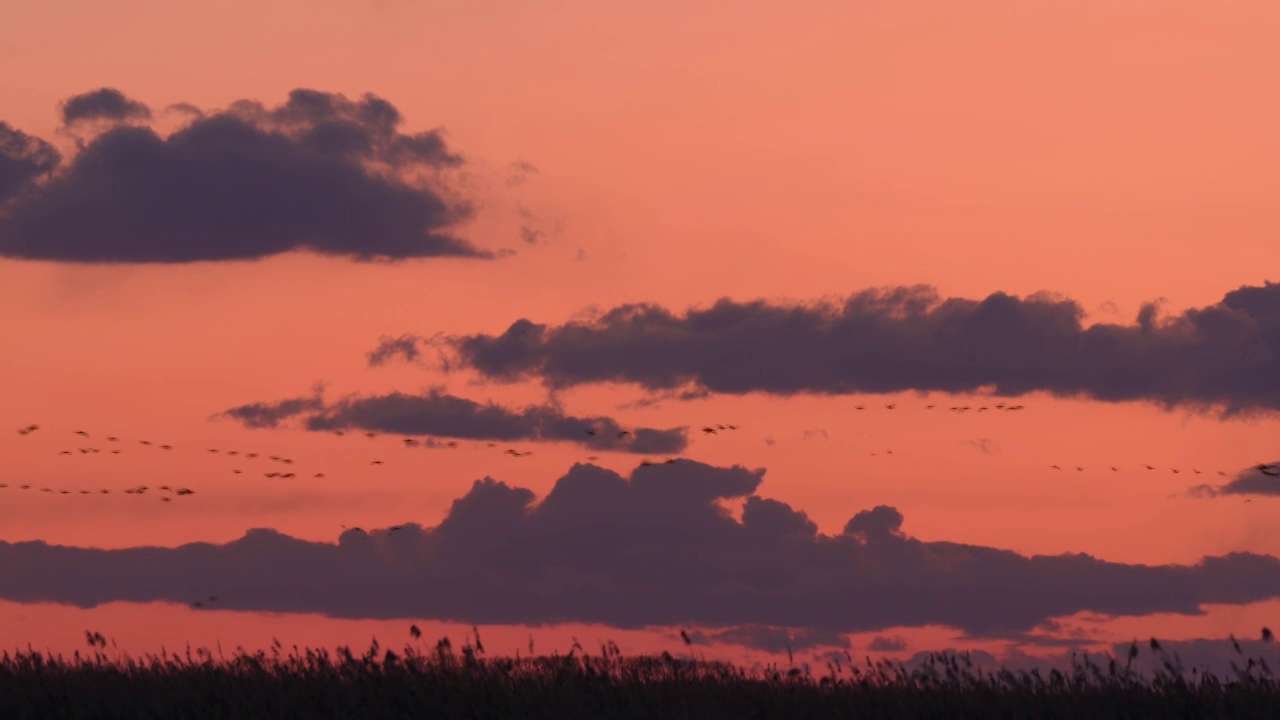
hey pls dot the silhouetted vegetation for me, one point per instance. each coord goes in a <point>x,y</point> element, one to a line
<point>437,682</point>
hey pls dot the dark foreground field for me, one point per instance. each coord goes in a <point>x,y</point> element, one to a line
<point>443,684</point>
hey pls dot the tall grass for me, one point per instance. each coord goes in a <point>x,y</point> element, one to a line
<point>431,682</point>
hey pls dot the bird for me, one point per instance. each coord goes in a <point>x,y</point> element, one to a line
<point>1079,469</point>
<point>237,471</point>
<point>709,430</point>
<point>376,462</point>
<point>320,475</point>
<point>685,636</point>
<point>371,434</point>
<point>623,433</point>
<point>414,631</point>
<point>589,432</point>
<point>928,407</point>
<point>144,442</point>
<point>890,406</point>
<point>1054,467</point>
<point>81,432</point>
<point>1266,635</point>
<point>1115,469</point>
<point>1149,467</point>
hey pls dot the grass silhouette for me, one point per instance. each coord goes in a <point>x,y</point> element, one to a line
<point>437,682</point>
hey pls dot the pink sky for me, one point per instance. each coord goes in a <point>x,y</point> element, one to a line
<point>1111,153</point>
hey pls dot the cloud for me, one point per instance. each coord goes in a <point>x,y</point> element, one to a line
<point>103,104</point>
<point>1250,481</point>
<point>880,643</point>
<point>320,173</point>
<point>405,346</point>
<point>439,414</point>
<point>23,159</point>
<point>519,171</point>
<point>772,639</point>
<point>652,549</point>
<point>909,338</point>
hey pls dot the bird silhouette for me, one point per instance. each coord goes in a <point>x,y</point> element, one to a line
<point>376,462</point>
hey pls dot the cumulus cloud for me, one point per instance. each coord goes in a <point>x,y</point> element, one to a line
<point>1225,355</point>
<point>23,160</point>
<point>319,172</point>
<point>439,414</point>
<point>103,104</point>
<point>652,549</point>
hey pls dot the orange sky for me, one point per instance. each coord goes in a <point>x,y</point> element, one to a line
<point>1111,152</point>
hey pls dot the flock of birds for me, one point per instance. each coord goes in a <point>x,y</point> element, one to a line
<point>1272,470</point>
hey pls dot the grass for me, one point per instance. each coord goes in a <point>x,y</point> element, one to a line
<point>439,683</point>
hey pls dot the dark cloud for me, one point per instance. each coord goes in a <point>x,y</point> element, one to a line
<point>23,160</point>
<point>530,236</point>
<point>405,346</point>
<point>771,639</point>
<point>320,173</point>
<point>103,104</point>
<point>1251,481</point>
<point>439,414</point>
<point>654,549</point>
<point>908,338</point>
<point>880,643</point>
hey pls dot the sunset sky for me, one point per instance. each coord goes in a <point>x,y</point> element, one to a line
<point>500,235</point>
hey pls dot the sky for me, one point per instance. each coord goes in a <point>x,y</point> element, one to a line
<point>843,327</point>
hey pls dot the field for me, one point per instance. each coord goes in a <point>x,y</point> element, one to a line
<point>411,683</point>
